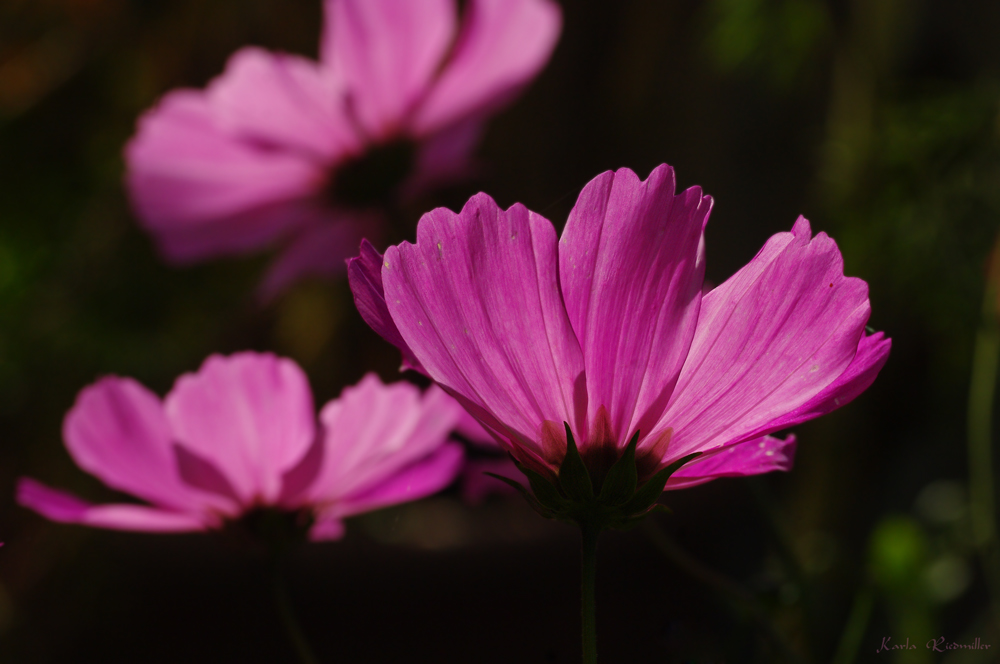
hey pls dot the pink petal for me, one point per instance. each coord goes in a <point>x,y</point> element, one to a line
<point>416,481</point>
<point>502,45</point>
<point>66,508</point>
<point>117,431</point>
<point>285,102</point>
<point>477,485</point>
<point>477,301</point>
<point>469,428</point>
<point>631,263</point>
<point>873,351</point>
<point>753,457</point>
<point>238,233</point>
<point>250,415</point>
<point>185,170</point>
<point>202,474</point>
<point>319,250</point>
<point>771,338</point>
<point>387,52</point>
<point>446,157</point>
<point>326,528</point>
<point>372,431</point>
<point>365,275</point>
<point>296,481</point>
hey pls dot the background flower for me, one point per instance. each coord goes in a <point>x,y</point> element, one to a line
<point>282,149</point>
<point>875,119</point>
<point>241,435</point>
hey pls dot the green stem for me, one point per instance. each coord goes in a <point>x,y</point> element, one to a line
<point>588,575</point>
<point>777,530</point>
<point>854,630</point>
<point>288,621</point>
<point>982,390</point>
<point>738,596</point>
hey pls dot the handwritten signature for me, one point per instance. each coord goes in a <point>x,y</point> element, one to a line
<point>940,644</point>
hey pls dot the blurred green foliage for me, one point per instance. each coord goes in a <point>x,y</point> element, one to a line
<point>877,119</point>
<point>778,38</point>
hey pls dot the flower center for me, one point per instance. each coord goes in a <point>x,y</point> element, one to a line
<point>373,178</point>
<point>272,526</point>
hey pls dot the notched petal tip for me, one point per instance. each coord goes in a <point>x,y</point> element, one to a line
<point>801,228</point>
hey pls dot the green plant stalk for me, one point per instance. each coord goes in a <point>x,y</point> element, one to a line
<point>288,621</point>
<point>588,576</point>
<point>735,594</point>
<point>854,630</point>
<point>982,391</point>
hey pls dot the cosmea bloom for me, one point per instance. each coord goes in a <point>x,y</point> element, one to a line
<point>241,435</point>
<point>606,332</point>
<point>282,149</point>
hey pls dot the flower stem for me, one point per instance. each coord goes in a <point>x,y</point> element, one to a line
<point>982,391</point>
<point>288,621</point>
<point>737,596</point>
<point>854,630</point>
<point>588,574</point>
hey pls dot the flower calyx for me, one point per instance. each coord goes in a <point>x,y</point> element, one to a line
<point>273,528</point>
<point>619,501</point>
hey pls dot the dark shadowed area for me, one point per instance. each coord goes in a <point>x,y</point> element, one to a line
<point>879,120</point>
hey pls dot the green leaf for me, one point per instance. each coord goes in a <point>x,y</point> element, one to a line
<point>622,478</point>
<point>651,490</point>
<point>573,476</point>
<point>535,505</point>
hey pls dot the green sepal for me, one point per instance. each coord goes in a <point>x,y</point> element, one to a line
<point>535,505</point>
<point>651,490</point>
<point>574,478</point>
<point>630,522</point>
<point>545,491</point>
<point>570,497</point>
<point>622,478</point>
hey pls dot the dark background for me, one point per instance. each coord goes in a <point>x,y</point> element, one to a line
<point>877,119</point>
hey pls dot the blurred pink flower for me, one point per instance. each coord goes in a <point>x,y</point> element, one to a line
<point>608,330</point>
<point>282,149</point>
<point>241,434</point>
<point>478,481</point>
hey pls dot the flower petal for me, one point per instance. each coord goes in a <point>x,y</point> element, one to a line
<point>469,428</point>
<point>365,275</point>
<point>285,102</point>
<point>185,171</point>
<point>477,301</point>
<point>753,457</point>
<point>771,338</point>
<point>446,157</point>
<point>238,233</point>
<point>326,528</point>
<point>319,250</point>
<point>387,52</point>
<point>416,481</point>
<point>873,352</point>
<point>65,508</point>
<point>373,430</point>
<point>631,264</point>
<point>477,485</point>
<point>117,431</point>
<point>502,45</point>
<point>250,415</point>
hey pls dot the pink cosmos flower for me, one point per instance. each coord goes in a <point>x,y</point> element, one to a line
<point>241,434</point>
<point>280,149</point>
<point>607,329</point>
